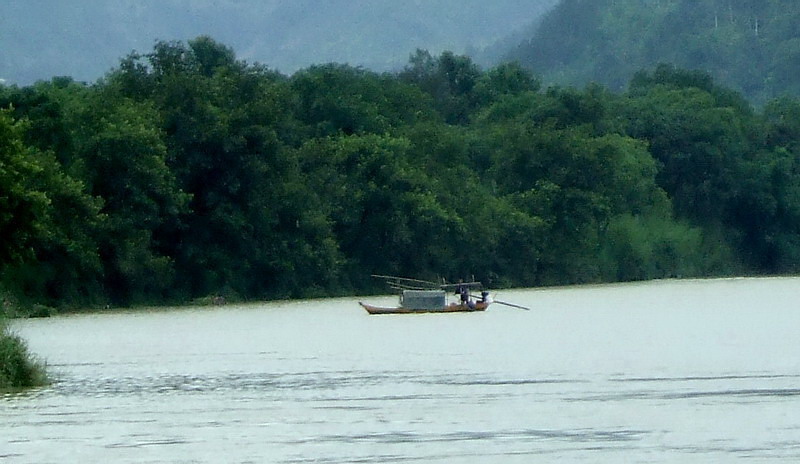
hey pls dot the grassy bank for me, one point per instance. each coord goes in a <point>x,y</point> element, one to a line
<point>18,368</point>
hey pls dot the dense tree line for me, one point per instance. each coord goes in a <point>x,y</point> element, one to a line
<point>751,46</point>
<point>186,173</point>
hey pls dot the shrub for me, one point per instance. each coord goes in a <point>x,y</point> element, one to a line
<point>642,248</point>
<point>18,369</point>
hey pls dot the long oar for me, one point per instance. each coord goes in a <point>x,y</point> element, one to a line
<point>511,304</point>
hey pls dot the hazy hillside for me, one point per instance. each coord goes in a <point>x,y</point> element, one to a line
<point>43,38</point>
<point>750,45</point>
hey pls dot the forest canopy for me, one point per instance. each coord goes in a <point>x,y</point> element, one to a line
<point>186,172</point>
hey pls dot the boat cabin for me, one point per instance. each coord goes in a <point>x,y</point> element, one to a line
<point>423,299</point>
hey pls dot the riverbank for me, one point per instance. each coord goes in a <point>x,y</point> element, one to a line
<point>12,309</point>
<point>18,367</point>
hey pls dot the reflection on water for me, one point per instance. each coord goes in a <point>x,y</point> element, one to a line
<point>695,371</point>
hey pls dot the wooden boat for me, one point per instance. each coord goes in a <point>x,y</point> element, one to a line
<point>423,296</point>
<point>448,308</point>
<point>419,296</point>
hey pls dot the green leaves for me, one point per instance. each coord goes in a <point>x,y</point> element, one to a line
<point>750,47</point>
<point>450,79</point>
<point>48,223</point>
<point>23,207</point>
<point>187,173</point>
<point>18,368</point>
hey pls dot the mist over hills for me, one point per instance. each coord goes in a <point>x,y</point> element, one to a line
<point>45,38</point>
<point>751,46</point>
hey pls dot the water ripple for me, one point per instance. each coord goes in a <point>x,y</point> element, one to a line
<point>662,395</point>
<point>296,382</point>
<point>149,443</point>
<point>503,382</point>
<point>399,437</point>
<point>706,378</point>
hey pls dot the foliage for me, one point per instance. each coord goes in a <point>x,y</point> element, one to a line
<point>749,46</point>
<point>649,247</point>
<point>187,174</point>
<point>22,207</point>
<point>18,369</point>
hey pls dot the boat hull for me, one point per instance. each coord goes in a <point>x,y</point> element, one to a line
<point>451,308</point>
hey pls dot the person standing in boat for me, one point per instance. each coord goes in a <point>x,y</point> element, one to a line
<point>463,291</point>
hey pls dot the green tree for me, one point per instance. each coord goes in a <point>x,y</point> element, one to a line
<point>641,247</point>
<point>450,79</point>
<point>23,209</point>
<point>253,230</point>
<point>749,46</point>
<point>336,99</point>
<point>50,254</point>
<point>766,211</point>
<point>783,123</point>
<point>42,107</point>
<point>371,190</point>
<point>504,79</point>
<point>123,161</point>
<point>698,132</point>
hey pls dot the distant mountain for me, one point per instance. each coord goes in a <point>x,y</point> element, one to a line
<point>84,39</point>
<point>750,45</point>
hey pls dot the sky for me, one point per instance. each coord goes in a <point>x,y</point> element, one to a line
<point>85,39</point>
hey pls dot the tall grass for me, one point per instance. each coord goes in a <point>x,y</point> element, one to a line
<point>18,368</point>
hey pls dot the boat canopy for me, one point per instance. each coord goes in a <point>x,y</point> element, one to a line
<point>423,299</point>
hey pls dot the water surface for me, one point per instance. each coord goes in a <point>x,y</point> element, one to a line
<point>673,371</point>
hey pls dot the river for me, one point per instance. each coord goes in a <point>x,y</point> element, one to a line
<point>667,371</point>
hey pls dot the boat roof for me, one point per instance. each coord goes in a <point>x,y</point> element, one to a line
<point>407,283</point>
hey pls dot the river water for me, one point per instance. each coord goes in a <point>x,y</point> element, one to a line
<point>670,371</point>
